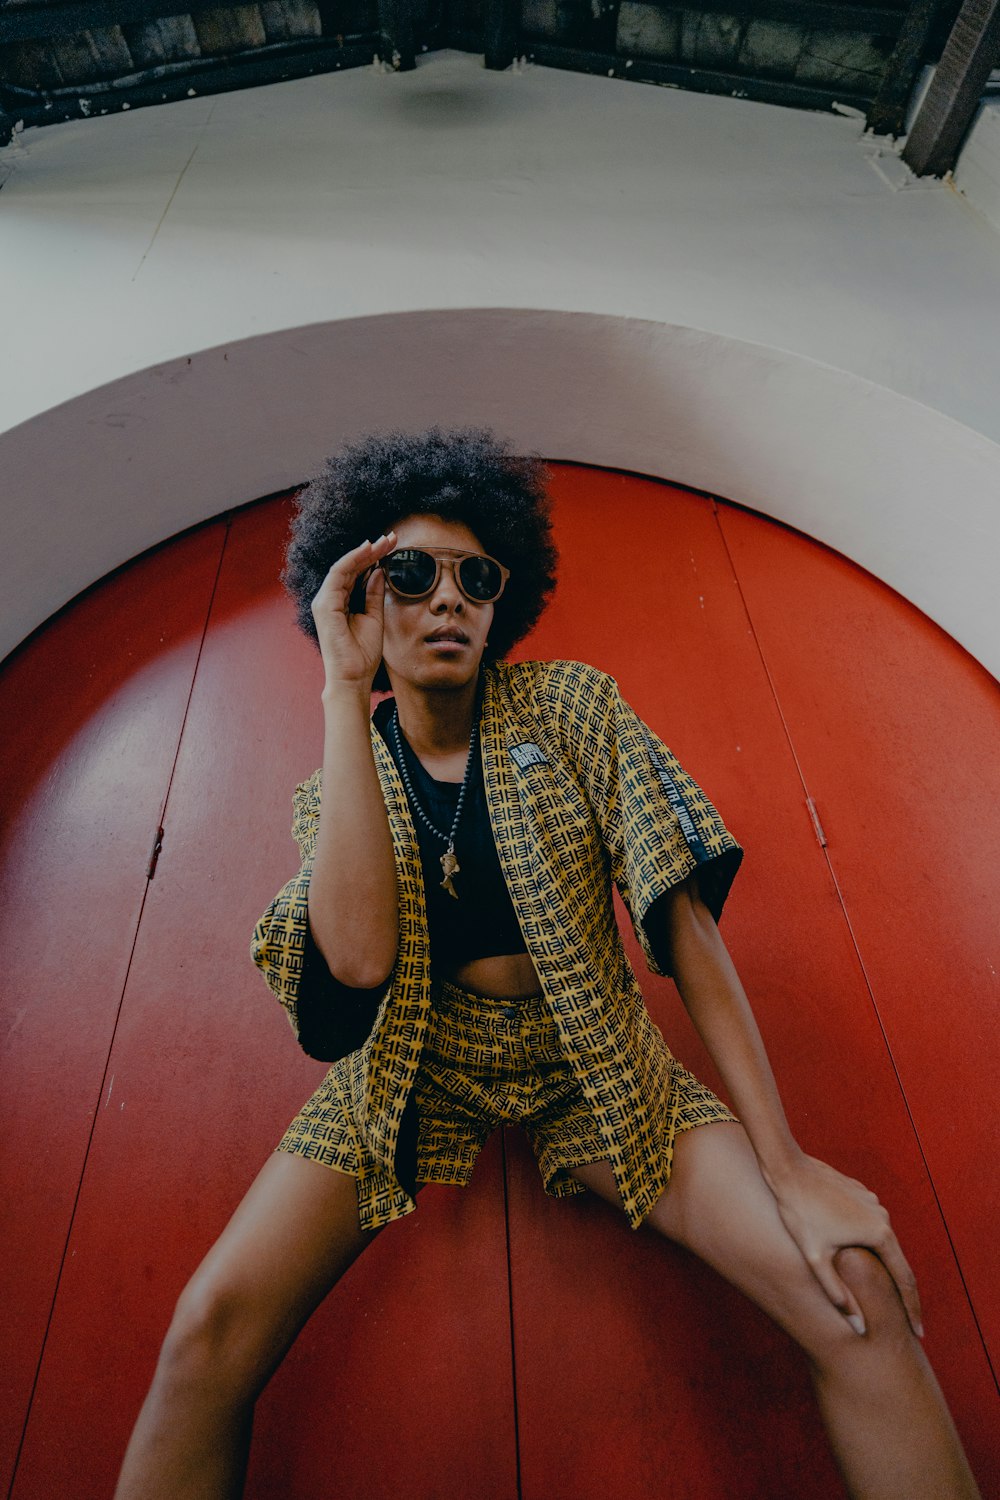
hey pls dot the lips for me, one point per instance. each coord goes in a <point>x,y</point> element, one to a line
<point>456,637</point>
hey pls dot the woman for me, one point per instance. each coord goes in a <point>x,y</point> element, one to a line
<point>449,943</point>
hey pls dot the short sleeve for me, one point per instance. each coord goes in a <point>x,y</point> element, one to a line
<point>330,1019</point>
<point>658,825</point>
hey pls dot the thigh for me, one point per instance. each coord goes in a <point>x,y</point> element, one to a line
<point>718,1205</point>
<point>289,1241</point>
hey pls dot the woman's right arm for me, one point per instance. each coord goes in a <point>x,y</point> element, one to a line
<point>353,901</point>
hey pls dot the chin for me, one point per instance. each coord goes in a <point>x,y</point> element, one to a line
<point>447,674</point>
<point>455,677</point>
<point>430,675</point>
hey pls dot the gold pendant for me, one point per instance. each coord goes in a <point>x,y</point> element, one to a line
<point>450,866</point>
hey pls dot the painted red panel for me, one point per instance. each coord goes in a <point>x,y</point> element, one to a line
<point>897,731</point>
<point>640,1372</point>
<point>206,1074</point>
<point>637,1370</point>
<point>603,1318</point>
<point>92,708</point>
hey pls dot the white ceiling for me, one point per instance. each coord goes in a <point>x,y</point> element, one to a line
<point>132,242</point>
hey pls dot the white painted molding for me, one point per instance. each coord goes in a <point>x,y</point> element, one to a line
<point>910,494</point>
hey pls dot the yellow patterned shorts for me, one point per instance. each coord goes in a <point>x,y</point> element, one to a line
<point>484,1063</point>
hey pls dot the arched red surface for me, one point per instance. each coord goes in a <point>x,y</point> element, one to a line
<point>496,1343</point>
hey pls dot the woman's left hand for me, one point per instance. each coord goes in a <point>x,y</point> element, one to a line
<point>824,1212</point>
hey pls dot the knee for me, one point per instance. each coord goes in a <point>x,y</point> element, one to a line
<point>210,1346</point>
<point>874,1289</point>
<point>887,1330</point>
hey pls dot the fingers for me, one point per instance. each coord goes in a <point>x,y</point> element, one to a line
<point>335,591</point>
<point>826,1213</point>
<point>901,1272</point>
<point>375,594</point>
<point>838,1292</point>
<point>885,1245</point>
<point>886,1249</point>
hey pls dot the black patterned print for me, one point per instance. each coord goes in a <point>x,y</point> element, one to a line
<point>581,794</point>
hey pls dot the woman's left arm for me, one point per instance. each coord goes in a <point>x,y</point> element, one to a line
<point>822,1210</point>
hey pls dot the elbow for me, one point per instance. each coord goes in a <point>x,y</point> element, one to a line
<point>371,969</point>
<point>367,968</point>
<point>363,976</point>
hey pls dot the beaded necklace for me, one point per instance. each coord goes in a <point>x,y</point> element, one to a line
<point>449,862</point>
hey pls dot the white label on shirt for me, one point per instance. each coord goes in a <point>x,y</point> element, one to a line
<point>528,754</point>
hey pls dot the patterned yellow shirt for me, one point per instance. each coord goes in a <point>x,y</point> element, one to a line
<point>581,794</point>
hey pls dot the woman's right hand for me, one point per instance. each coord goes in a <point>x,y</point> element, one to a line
<point>351,644</point>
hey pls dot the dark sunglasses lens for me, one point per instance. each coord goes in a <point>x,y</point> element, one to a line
<point>410,571</point>
<point>480,578</point>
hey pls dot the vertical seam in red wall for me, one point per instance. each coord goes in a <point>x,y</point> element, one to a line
<point>510,1311</point>
<point>854,940</point>
<point>114,1030</point>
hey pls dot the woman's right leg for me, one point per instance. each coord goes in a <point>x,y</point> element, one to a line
<point>290,1240</point>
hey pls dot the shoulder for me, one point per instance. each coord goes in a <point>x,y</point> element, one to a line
<point>570,704</point>
<point>557,680</point>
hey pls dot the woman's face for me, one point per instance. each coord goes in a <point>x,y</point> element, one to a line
<point>437,641</point>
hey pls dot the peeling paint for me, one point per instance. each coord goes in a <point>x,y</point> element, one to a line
<point>817,825</point>
<point>848,110</point>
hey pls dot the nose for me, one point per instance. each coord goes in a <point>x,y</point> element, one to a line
<point>447,595</point>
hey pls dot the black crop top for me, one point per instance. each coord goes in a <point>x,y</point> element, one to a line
<point>482,921</point>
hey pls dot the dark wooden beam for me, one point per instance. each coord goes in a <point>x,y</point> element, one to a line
<point>887,115</point>
<point>19,23</point>
<point>812,15</point>
<point>699,80</point>
<point>501,26</point>
<point>216,77</point>
<point>971,53</point>
<point>399,48</point>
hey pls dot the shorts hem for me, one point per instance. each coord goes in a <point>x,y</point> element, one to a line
<point>336,1161</point>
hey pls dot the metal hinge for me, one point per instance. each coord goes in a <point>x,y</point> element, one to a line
<point>154,854</point>
<point>816,822</point>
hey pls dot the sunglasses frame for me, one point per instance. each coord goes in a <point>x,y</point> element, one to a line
<point>458,556</point>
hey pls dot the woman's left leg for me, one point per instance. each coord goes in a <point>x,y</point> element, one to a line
<point>885,1415</point>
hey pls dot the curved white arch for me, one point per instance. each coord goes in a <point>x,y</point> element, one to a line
<point>910,494</point>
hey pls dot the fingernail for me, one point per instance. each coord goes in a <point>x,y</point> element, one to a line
<point>920,1330</point>
<point>857,1322</point>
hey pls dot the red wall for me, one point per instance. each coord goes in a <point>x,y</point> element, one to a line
<point>496,1343</point>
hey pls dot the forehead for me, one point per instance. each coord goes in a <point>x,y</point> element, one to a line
<point>433,531</point>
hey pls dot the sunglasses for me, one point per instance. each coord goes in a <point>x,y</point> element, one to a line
<point>413,572</point>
